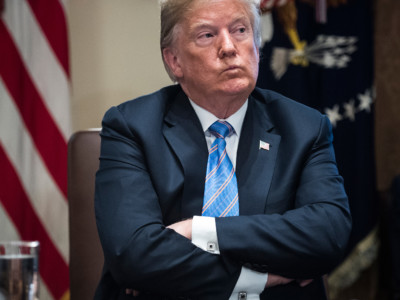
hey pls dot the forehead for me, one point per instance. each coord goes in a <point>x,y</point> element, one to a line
<point>209,11</point>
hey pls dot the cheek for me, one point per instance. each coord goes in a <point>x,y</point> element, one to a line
<point>252,68</point>
<point>201,67</point>
<point>254,61</point>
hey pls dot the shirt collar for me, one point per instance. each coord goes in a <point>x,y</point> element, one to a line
<point>207,119</point>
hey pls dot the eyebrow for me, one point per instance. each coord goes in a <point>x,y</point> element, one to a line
<point>205,24</point>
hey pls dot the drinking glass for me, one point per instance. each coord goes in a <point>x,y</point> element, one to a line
<point>19,270</point>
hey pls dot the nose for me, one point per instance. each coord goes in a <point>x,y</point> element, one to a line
<point>227,47</point>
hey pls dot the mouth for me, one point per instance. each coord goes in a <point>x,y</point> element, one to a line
<point>232,68</point>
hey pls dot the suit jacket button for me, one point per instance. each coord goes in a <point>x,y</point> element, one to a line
<point>242,296</point>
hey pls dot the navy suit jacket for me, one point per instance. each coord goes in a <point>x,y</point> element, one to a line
<point>294,216</point>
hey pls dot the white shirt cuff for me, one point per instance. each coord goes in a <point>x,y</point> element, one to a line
<point>249,285</point>
<point>204,234</point>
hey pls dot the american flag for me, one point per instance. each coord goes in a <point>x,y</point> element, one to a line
<point>34,129</point>
<point>264,145</point>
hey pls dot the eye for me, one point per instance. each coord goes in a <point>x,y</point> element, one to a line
<point>241,30</point>
<point>205,38</point>
<point>206,35</point>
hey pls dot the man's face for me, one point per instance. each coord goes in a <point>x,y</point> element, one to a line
<point>215,55</point>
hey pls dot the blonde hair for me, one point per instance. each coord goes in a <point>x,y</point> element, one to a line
<point>174,11</point>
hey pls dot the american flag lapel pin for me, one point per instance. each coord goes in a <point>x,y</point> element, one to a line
<point>264,145</point>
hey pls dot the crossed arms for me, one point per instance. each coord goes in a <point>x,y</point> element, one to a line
<point>301,243</point>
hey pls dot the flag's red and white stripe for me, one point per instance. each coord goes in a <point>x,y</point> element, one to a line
<point>34,128</point>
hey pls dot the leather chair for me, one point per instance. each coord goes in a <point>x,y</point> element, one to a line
<point>86,255</point>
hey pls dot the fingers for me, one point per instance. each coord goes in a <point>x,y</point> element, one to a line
<point>128,291</point>
<point>274,280</point>
<point>304,282</point>
<point>132,292</point>
<point>183,228</point>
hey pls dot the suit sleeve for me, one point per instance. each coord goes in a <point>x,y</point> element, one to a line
<point>139,251</point>
<point>306,241</point>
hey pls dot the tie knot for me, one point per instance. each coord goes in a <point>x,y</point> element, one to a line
<point>221,129</point>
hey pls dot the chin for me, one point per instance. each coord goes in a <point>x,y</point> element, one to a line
<point>239,88</point>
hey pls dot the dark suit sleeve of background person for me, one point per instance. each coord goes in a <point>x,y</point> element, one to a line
<point>306,222</point>
<point>140,252</point>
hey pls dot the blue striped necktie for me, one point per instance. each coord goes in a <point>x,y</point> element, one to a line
<point>220,192</point>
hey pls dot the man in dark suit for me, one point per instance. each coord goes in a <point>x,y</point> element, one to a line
<point>283,220</point>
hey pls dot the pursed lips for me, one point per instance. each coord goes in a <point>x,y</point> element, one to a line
<point>231,68</point>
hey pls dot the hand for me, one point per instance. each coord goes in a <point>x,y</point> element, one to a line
<point>132,292</point>
<point>274,280</point>
<point>183,228</point>
<point>304,282</point>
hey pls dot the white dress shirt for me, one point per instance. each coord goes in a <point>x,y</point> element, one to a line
<point>204,233</point>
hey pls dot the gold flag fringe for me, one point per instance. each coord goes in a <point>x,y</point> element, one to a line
<point>362,257</point>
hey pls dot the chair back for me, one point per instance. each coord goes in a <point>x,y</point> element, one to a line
<point>86,255</point>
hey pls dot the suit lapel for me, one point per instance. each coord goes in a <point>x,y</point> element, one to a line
<point>184,134</point>
<point>255,166</point>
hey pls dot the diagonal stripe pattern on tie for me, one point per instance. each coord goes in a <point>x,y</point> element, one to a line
<point>220,193</point>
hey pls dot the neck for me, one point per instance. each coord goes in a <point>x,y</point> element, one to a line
<point>221,107</point>
<point>222,110</point>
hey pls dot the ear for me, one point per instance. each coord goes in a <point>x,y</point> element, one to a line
<point>171,59</point>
